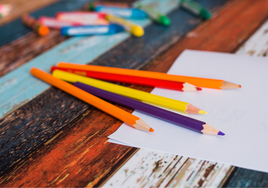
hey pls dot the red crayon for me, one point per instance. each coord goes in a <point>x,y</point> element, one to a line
<point>180,86</point>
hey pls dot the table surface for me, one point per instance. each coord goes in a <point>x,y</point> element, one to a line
<point>49,138</point>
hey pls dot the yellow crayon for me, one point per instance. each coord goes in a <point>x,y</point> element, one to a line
<point>134,29</point>
<point>157,100</point>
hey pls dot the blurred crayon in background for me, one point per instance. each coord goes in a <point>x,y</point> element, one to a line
<point>35,25</point>
<point>84,18</point>
<point>195,9</point>
<point>5,10</point>
<point>154,15</point>
<point>134,29</point>
<point>132,13</point>
<point>56,24</point>
<point>92,30</point>
<point>91,5</point>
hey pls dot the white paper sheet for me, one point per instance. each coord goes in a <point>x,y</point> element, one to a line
<point>242,114</point>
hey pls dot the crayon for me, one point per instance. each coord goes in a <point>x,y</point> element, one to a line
<point>5,10</point>
<point>84,18</point>
<point>195,9</point>
<point>79,15</point>
<point>35,25</point>
<point>132,13</point>
<point>91,30</point>
<point>56,24</point>
<point>91,5</point>
<point>155,16</point>
<point>134,29</point>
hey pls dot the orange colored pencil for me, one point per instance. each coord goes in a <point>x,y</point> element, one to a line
<point>197,81</point>
<point>114,111</point>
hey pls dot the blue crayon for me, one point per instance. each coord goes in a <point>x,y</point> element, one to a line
<point>91,30</point>
<point>132,13</point>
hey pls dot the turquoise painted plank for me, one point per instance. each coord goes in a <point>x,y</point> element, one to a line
<point>19,86</point>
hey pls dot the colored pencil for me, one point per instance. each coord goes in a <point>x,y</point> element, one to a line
<point>114,111</point>
<point>180,86</point>
<point>129,92</point>
<point>172,117</point>
<point>196,81</point>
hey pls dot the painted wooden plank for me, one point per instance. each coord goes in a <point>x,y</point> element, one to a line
<point>257,45</point>
<point>25,48</point>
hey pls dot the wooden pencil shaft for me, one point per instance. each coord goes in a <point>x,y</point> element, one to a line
<point>172,117</point>
<point>197,81</point>
<point>125,78</point>
<point>121,90</point>
<point>90,99</point>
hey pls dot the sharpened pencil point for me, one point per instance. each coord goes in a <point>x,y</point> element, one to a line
<point>151,130</point>
<point>202,112</point>
<point>221,133</point>
<point>198,88</point>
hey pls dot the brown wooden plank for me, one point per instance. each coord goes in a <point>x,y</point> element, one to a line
<point>80,155</point>
<point>26,48</point>
<point>21,6</point>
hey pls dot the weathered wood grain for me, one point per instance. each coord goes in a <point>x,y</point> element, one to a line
<point>21,6</point>
<point>26,48</point>
<point>257,45</point>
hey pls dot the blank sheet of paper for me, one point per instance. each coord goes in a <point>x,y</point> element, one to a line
<point>242,114</point>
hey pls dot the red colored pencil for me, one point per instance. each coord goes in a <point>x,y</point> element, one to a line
<point>180,86</point>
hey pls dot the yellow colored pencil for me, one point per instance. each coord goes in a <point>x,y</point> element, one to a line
<point>124,116</point>
<point>132,93</point>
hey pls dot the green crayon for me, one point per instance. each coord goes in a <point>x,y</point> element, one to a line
<point>195,9</point>
<point>154,15</point>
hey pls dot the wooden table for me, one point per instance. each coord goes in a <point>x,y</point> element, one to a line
<point>49,138</point>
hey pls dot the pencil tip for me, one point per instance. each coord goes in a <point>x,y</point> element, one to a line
<point>198,88</point>
<point>151,130</point>
<point>202,112</point>
<point>221,133</point>
<point>240,86</point>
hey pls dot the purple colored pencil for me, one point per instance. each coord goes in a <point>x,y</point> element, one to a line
<point>186,122</point>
